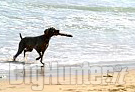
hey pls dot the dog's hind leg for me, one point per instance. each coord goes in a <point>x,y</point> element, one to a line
<point>27,50</point>
<point>17,54</point>
<point>20,49</point>
<point>39,55</point>
<point>24,52</point>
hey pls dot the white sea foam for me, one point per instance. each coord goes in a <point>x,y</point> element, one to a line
<point>102,31</point>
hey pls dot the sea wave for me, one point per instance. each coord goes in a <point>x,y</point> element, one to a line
<point>81,7</point>
<point>87,7</point>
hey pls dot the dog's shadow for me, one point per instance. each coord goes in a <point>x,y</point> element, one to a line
<point>13,62</point>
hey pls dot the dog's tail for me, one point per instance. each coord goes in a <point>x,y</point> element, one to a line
<point>20,35</point>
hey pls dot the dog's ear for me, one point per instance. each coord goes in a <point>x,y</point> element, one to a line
<point>46,31</point>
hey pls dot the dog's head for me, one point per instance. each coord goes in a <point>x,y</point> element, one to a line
<point>53,32</point>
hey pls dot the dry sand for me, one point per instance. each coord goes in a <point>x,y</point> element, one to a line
<point>129,86</point>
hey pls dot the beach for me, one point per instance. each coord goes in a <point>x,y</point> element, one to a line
<point>128,86</point>
<point>99,57</point>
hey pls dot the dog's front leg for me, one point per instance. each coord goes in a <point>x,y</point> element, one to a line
<point>43,53</point>
<point>42,58</point>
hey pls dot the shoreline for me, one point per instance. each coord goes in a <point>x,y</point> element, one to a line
<point>59,68</point>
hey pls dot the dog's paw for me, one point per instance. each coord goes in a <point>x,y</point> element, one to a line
<point>38,58</point>
<point>14,59</point>
<point>42,65</point>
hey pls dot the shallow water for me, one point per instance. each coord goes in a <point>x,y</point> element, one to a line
<point>103,31</point>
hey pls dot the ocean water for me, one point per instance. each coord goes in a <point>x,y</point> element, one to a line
<point>103,30</point>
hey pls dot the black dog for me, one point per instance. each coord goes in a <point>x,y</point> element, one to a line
<point>39,43</point>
